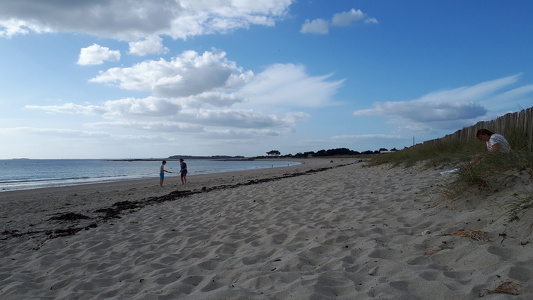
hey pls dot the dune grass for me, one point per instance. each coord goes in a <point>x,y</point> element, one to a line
<point>441,154</point>
<point>492,174</point>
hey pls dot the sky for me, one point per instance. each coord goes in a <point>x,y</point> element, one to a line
<point>151,79</point>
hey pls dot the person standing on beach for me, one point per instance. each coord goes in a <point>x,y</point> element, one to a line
<point>162,173</point>
<point>183,171</point>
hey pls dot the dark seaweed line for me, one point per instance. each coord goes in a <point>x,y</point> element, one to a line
<point>118,208</point>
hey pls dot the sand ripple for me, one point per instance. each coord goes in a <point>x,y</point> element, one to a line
<point>343,233</point>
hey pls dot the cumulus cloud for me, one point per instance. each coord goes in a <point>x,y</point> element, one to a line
<point>132,20</point>
<point>148,107</point>
<point>343,19</point>
<point>142,114</point>
<point>207,93</point>
<point>150,45</point>
<point>347,18</point>
<point>97,55</point>
<point>318,26</point>
<point>10,27</point>
<point>211,79</point>
<point>214,99</point>
<point>442,108</point>
<point>188,74</point>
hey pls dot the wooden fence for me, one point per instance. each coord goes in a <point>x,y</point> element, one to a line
<point>516,127</point>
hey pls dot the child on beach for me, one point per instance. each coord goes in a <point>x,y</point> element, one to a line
<point>162,173</point>
<point>183,171</point>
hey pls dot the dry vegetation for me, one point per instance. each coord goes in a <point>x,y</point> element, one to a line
<point>496,172</point>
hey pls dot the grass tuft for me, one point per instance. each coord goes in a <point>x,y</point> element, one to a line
<point>494,173</point>
<point>519,206</point>
<point>443,153</point>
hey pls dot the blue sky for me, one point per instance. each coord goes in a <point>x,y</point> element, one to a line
<point>120,79</point>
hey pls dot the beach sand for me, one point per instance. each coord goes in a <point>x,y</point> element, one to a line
<point>320,230</point>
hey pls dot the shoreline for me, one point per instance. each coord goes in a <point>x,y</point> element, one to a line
<point>319,230</point>
<point>117,178</point>
<point>30,211</point>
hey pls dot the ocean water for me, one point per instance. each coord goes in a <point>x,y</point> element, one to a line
<point>24,174</point>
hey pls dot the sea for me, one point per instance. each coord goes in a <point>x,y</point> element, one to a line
<point>26,174</point>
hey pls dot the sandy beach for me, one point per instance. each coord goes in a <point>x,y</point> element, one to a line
<point>319,230</point>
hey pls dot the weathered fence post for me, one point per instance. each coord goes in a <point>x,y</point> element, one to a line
<point>517,127</point>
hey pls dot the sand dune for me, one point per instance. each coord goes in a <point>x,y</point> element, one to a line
<point>316,231</point>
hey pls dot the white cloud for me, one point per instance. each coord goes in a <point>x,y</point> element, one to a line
<point>371,21</point>
<point>185,75</point>
<point>14,26</point>
<point>347,18</point>
<point>118,109</point>
<point>97,55</point>
<point>365,136</point>
<point>448,108</point>
<point>150,45</point>
<point>131,20</point>
<point>343,19</point>
<point>240,118</point>
<point>214,99</point>
<point>211,111</point>
<point>288,85</point>
<point>241,135</point>
<point>153,126</point>
<point>518,92</point>
<point>425,111</point>
<point>54,132</point>
<point>132,112</point>
<point>318,26</point>
<point>148,107</point>
<point>210,79</point>
<point>69,108</point>
<point>207,94</point>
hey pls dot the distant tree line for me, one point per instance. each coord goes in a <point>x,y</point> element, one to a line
<point>273,153</point>
<point>330,152</point>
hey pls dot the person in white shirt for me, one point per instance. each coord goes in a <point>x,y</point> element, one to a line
<point>495,142</point>
<point>162,173</point>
